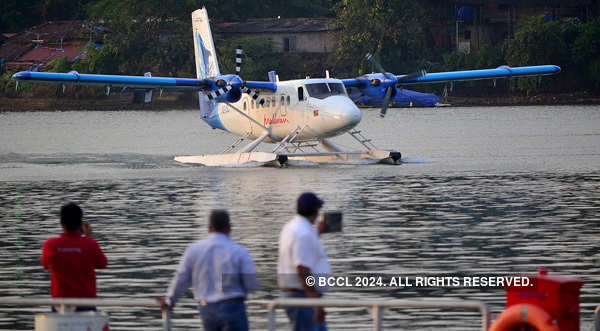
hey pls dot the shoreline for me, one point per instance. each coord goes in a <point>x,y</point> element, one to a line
<point>115,103</point>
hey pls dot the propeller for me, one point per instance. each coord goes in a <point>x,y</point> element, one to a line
<point>395,80</point>
<point>239,52</point>
<point>224,88</point>
<point>376,82</point>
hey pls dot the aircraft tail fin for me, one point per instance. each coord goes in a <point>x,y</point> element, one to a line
<point>204,47</point>
<point>206,63</point>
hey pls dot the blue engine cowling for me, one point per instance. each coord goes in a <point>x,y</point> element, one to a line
<point>226,88</point>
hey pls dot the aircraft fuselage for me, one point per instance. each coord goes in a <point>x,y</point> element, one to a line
<point>320,106</point>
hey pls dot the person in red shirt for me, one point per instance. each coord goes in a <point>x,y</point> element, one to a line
<point>73,257</point>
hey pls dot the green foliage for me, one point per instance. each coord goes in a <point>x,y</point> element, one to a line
<point>393,30</point>
<point>136,47</point>
<point>238,10</point>
<point>56,10</point>
<point>7,87</point>
<point>487,57</point>
<point>62,64</point>
<point>258,59</point>
<point>586,52</point>
<point>537,42</point>
<point>16,15</point>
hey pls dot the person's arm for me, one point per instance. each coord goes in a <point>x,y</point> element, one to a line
<point>248,272</point>
<point>100,261</point>
<point>47,255</point>
<point>181,282</point>
<point>303,258</point>
<point>311,292</point>
<point>303,273</point>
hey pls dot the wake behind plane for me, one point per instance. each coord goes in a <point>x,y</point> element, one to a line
<point>297,116</point>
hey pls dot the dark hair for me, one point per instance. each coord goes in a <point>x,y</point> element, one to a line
<point>219,220</point>
<point>70,216</point>
<point>308,204</point>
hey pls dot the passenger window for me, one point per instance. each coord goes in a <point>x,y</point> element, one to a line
<point>300,93</point>
<point>288,100</point>
<point>274,102</point>
<point>244,105</point>
<point>282,100</point>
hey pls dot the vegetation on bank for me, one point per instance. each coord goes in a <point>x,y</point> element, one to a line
<point>155,36</point>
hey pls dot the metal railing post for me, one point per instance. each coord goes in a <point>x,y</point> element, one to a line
<point>485,317</point>
<point>272,317</point>
<point>597,318</point>
<point>166,317</point>
<point>376,314</point>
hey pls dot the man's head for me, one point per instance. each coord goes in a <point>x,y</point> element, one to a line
<point>219,221</point>
<point>70,217</point>
<point>309,205</point>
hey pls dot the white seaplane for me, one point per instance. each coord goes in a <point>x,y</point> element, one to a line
<point>298,116</point>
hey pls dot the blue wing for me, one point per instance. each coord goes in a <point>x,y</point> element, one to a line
<point>500,72</point>
<point>438,77</point>
<point>140,82</point>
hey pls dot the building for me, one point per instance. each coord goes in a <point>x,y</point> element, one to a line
<point>469,24</point>
<point>293,35</point>
<point>41,44</point>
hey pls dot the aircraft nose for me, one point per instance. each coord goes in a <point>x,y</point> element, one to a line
<point>344,112</point>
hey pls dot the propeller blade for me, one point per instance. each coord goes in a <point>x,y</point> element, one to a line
<point>413,75</point>
<point>370,58</point>
<point>386,101</point>
<point>378,66</point>
<point>254,95</point>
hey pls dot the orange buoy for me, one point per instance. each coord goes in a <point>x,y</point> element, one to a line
<point>524,315</point>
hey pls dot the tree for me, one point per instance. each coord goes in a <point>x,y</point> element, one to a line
<point>16,15</point>
<point>537,42</point>
<point>586,53</point>
<point>258,58</point>
<point>394,30</point>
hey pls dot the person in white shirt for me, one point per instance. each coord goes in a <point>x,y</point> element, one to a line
<point>301,255</point>
<point>220,272</point>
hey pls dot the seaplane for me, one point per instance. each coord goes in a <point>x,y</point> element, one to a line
<point>298,117</point>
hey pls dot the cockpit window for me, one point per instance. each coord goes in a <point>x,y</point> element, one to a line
<point>324,90</point>
<point>337,88</point>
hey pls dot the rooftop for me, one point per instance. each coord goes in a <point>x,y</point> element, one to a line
<point>285,25</point>
<point>48,34</point>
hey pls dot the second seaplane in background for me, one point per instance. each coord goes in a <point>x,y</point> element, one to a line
<point>298,116</point>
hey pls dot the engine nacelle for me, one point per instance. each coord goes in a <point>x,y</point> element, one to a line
<point>227,88</point>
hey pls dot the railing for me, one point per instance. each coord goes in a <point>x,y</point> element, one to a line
<point>63,304</point>
<point>377,307</point>
<point>597,318</point>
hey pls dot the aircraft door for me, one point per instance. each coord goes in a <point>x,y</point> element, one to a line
<point>303,106</point>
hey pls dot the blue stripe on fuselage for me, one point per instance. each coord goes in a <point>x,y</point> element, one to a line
<point>201,56</point>
<point>215,121</point>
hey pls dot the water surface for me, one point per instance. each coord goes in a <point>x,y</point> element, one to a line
<point>493,190</point>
